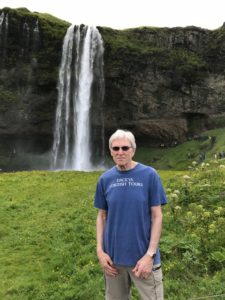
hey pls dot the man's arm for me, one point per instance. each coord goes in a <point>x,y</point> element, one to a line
<point>156,228</point>
<point>144,266</point>
<point>100,224</point>
<point>104,259</point>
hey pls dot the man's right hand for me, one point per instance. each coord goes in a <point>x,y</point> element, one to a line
<point>106,263</point>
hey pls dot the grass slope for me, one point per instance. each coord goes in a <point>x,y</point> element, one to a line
<point>181,157</point>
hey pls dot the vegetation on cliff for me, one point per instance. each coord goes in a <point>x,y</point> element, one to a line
<point>154,45</point>
<point>33,43</point>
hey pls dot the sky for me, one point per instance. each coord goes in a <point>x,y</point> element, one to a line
<point>121,14</point>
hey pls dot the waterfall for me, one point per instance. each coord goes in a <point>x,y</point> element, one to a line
<point>31,38</point>
<point>81,63</point>
<point>36,36</point>
<point>4,24</point>
<point>26,38</point>
<point>1,20</point>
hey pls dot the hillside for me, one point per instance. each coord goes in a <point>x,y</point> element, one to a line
<point>200,148</point>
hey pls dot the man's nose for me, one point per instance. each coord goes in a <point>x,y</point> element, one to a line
<point>120,151</point>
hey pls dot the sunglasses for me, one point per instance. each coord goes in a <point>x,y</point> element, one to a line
<point>124,148</point>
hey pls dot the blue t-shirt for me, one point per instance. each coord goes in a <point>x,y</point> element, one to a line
<point>127,196</point>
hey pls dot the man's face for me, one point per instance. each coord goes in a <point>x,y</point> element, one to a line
<point>122,152</point>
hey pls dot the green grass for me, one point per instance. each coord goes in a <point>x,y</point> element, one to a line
<point>47,235</point>
<point>182,156</point>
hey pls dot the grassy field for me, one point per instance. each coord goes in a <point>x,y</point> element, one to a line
<point>47,235</point>
<point>47,248</point>
<point>47,229</point>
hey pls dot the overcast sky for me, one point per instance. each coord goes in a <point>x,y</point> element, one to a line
<point>121,14</point>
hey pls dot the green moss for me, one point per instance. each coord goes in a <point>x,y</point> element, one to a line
<point>218,121</point>
<point>52,27</point>
<point>52,19</point>
<point>184,60</point>
<point>23,12</point>
<point>149,45</point>
<point>126,39</point>
<point>7,98</point>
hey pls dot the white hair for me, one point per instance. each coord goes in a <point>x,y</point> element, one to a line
<point>121,134</point>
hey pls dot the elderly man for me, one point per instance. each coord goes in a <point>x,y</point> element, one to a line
<point>129,197</point>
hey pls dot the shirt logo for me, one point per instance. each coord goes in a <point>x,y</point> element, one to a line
<point>121,182</point>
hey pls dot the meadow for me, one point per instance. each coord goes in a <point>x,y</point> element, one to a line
<point>47,234</point>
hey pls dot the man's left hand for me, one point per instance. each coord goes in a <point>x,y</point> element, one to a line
<point>143,267</point>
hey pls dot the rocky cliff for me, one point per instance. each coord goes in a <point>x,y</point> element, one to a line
<point>30,53</point>
<point>164,84</point>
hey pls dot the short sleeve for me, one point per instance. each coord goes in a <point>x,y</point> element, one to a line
<point>157,194</point>
<point>99,199</point>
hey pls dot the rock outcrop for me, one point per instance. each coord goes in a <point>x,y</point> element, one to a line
<point>165,84</point>
<point>30,53</point>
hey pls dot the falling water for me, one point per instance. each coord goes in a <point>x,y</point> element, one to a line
<point>1,20</point>
<point>4,23</point>
<point>71,147</point>
<point>36,36</point>
<point>26,38</point>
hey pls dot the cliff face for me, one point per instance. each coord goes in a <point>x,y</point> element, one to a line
<point>163,84</point>
<point>30,53</point>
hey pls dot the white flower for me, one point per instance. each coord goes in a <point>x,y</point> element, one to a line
<point>205,185</point>
<point>177,192</point>
<point>186,177</point>
<point>174,196</point>
<point>177,207</point>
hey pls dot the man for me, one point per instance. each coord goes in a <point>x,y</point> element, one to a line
<point>129,221</point>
